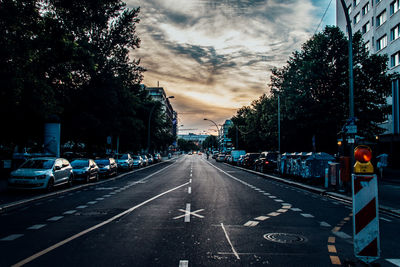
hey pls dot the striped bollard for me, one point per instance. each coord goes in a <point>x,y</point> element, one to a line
<point>365,217</point>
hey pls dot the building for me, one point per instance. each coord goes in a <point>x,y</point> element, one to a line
<point>379,23</point>
<point>196,138</point>
<point>225,141</point>
<point>158,94</point>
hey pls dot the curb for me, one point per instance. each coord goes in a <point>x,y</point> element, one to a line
<point>13,205</point>
<point>339,197</point>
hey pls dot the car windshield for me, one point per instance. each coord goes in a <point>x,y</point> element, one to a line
<point>102,161</point>
<point>125,156</point>
<point>43,164</point>
<point>136,157</point>
<point>77,164</point>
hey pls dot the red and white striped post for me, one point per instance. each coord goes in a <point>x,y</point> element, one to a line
<point>365,207</point>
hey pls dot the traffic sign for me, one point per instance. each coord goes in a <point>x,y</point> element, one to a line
<point>351,129</point>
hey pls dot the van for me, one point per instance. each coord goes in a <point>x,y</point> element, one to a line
<point>236,154</point>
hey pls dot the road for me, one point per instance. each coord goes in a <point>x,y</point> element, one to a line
<point>187,212</point>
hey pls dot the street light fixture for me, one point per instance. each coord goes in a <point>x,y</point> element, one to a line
<point>218,129</point>
<point>148,126</point>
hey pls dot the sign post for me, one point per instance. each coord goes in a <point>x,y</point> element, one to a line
<point>365,207</point>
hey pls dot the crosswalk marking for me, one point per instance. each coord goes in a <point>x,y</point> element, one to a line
<point>251,223</point>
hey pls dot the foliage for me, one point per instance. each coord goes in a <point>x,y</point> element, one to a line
<point>313,88</point>
<point>210,142</point>
<point>186,146</point>
<point>71,59</point>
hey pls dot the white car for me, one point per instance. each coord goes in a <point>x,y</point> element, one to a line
<point>41,173</point>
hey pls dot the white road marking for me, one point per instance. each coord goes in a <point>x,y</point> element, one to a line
<point>230,243</point>
<point>55,218</point>
<point>99,198</point>
<point>272,196</point>
<point>69,212</point>
<point>189,190</point>
<point>342,235</point>
<point>273,214</point>
<point>251,223</point>
<point>81,207</point>
<point>267,194</point>
<point>324,224</point>
<point>11,237</point>
<point>183,263</point>
<point>107,196</point>
<point>190,180</point>
<point>394,261</point>
<point>191,175</point>
<point>286,206</point>
<point>278,200</point>
<point>91,202</point>
<point>59,244</point>
<point>296,209</point>
<point>261,218</point>
<point>36,226</point>
<point>307,215</point>
<point>384,219</point>
<point>282,210</point>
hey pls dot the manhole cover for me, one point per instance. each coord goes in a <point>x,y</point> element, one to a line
<point>285,238</point>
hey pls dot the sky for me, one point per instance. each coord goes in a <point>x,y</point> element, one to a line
<point>215,56</point>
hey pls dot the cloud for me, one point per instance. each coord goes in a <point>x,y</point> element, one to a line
<point>218,54</point>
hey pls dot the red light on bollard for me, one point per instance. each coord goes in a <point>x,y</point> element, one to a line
<point>363,154</point>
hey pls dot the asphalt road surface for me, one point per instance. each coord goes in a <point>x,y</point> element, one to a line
<point>187,212</point>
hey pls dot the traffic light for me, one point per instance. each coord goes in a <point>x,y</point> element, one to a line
<point>363,156</point>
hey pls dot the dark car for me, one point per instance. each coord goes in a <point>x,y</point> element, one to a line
<point>125,162</point>
<point>249,159</point>
<point>267,162</point>
<point>157,157</point>
<point>150,158</point>
<point>220,157</point>
<point>107,167</point>
<point>85,170</point>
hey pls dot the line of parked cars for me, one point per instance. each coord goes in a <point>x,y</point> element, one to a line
<point>262,162</point>
<point>48,172</point>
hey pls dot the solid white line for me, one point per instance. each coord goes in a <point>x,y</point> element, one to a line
<point>229,241</point>
<point>187,213</point>
<point>11,237</point>
<point>394,261</point>
<point>384,219</point>
<point>183,263</point>
<point>189,190</point>
<point>36,226</point>
<point>59,244</point>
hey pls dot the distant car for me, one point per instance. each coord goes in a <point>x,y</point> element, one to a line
<point>145,160</point>
<point>249,159</point>
<point>137,161</point>
<point>125,162</point>
<point>150,158</point>
<point>236,154</point>
<point>220,157</point>
<point>85,170</point>
<point>215,154</point>
<point>42,173</point>
<point>240,160</point>
<point>267,162</point>
<point>157,157</point>
<point>107,167</point>
<point>190,153</point>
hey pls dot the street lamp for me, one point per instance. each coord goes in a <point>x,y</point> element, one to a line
<point>148,126</point>
<point>217,129</point>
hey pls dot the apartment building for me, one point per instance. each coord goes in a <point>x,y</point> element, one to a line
<point>379,23</point>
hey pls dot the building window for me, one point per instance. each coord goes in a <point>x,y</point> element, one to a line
<point>381,43</point>
<point>356,2</point>
<point>365,9</point>
<point>357,18</point>
<point>394,7</point>
<point>366,27</point>
<point>381,18</point>
<point>367,46</point>
<point>394,32</point>
<point>349,10</point>
<point>394,59</point>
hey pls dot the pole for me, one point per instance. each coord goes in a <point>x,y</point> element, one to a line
<point>237,138</point>
<point>279,124</point>
<point>117,146</point>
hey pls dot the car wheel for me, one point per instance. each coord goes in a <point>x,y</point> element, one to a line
<point>50,185</point>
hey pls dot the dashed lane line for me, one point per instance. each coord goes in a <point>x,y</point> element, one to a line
<point>183,263</point>
<point>82,207</point>
<point>251,223</point>
<point>55,218</point>
<point>11,237</point>
<point>69,212</point>
<point>36,226</point>
<point>307,215</point>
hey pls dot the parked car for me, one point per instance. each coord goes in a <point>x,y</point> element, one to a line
<point>145,160</point>
<point>236,154</point>
<point>157,157</point>
<point>85,170</point>
<point>215,154</point>
<point>137,161</point>
<point>266,162</point>
<point>249,160</point>
<point>42,173</point>
<point>150,158</point>
<point>240,161</point>
<point>125,162</point>
<point>220,157</point>
<point>107,166</point>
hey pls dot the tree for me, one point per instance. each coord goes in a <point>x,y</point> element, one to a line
<point>186,146</point>
<point>210,142</point>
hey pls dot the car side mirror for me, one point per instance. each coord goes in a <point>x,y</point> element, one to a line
<point>57,168</point>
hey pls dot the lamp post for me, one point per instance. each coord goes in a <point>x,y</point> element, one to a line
<point>148,126</point>
<point>217,130</point>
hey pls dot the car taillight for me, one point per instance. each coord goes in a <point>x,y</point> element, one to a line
<point>266,162</point>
